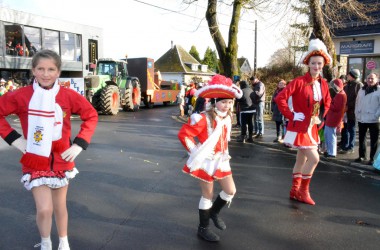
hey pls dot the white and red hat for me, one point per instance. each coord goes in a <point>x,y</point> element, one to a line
<point>220,87</point>
<point>316,48</point>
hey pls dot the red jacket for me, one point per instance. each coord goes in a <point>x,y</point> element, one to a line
<point>338,105</point>
<point>301,91</point>
<point>200,130</point>
<point>71,102</point>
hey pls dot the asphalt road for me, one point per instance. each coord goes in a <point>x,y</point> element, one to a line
<point>131,194</point>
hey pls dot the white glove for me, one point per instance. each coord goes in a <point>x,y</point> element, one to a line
<point>71,153</point>
<point>20,144</point>
<point>298,116</point>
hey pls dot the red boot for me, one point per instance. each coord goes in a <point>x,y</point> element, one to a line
<point>295,186</point>
<point>303,194</point>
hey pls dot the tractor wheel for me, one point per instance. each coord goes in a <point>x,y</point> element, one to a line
<point>110,100</point>
<point>147,102</point>
<point>96,101</point>
<point>132,97</point>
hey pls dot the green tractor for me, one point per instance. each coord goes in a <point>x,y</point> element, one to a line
<point>111,88</point>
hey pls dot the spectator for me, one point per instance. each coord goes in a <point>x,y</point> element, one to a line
<point>181,100</point>
<point>200,102</point>
<point>246,113</point>
<point>311,101</point>
<point>367,111</point>
<point>344,79</point>
<point>259,103</point>
<point>348,133</point>
<point>10,50</point>
<point>237,110</point>
<point>189,99</point>
<point>276,114</point>
<point>334,118</point>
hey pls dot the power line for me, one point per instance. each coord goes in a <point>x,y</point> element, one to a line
<point>187,15</point>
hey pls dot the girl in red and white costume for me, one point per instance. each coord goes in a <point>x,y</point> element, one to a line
<point>209,159</point>
<point>44,109</point>
<point>311,101</point>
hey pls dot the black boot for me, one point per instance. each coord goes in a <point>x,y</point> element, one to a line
<point>203,228</point>
<point>249,139</point>
<point>215,209</point>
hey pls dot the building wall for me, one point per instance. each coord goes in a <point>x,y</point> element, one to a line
<point>360,57</point>
<point>9,16</point>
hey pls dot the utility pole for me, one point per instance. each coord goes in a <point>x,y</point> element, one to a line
<point>255,57</point>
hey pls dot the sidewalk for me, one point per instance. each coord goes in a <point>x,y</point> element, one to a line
<point>270,135</point>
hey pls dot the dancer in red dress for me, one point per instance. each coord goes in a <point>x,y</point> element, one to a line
<point>209,159</point>
<point>311,101</point>
<point>44,109</point>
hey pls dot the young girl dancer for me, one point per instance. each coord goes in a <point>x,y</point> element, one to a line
<point>209,159</point>
<point>44,109</point>
<point>311,101</point>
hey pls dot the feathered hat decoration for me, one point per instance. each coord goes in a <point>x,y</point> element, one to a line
<point>316,48</point>
<point>220,87</point>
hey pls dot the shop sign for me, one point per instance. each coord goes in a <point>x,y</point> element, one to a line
<point>357,47</point>
<point>371,65</point>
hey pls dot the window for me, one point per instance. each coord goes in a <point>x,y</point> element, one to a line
<point>67,46</point>
<point>51,40</point>
<point>78,48</point>
<point>13,38</point>
<point>32,40</point>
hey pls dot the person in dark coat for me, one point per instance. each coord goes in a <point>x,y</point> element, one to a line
<point>246,113</point>
<point>276,114</point>
<point>348,133</point>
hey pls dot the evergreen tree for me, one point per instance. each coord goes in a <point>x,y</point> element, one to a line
<point>210,59</point>
<point>194,52</point>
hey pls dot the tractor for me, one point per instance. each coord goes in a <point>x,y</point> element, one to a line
<point>111,88</point>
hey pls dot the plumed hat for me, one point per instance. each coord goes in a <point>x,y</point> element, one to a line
<point>220,87</point>
<point>316,48</point>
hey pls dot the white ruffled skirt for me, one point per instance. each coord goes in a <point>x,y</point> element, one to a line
<point>52,179</point>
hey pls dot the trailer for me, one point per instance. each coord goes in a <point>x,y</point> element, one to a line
<point>153,88</point>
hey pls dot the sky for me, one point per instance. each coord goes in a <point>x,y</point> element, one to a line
<point>146,28</point>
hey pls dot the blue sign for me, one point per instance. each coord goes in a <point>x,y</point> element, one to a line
<point>357,47</point>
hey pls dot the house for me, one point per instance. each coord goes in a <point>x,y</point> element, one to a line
<point>244,66</point>
<point>358,44</point>
<point>179,66</point>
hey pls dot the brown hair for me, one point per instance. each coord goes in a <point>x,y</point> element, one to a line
<point>47,54</point>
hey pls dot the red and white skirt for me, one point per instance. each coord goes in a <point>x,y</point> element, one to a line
<point>211,169</point>
<point>52,179</point>
<point>308,140</point>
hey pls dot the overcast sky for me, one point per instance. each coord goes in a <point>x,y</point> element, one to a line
<point>146,30</point>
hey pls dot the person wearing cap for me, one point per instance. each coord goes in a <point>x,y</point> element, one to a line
<point>200,102</point>
<point>349,129</point>
<point>367,112</point>
<point>334,118</point>
<point>311,102</point>
<point>258,100</point>
<point>46,149</point>
<point>209,160</point>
